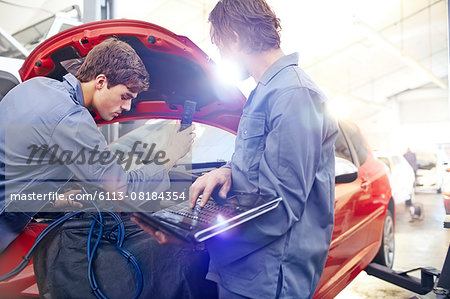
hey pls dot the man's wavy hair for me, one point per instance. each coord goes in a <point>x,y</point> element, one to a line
<point>120,64</point>
<point>253,20</point>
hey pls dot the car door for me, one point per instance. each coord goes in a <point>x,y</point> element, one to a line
<point>373,196</point>
<point>349,240</point>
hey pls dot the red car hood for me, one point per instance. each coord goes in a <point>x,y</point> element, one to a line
<point>178,71</point>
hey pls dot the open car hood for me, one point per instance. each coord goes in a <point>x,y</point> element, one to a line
<point>178,71</point>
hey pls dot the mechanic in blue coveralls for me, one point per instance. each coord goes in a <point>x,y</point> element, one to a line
<point>48,113</point>
<point>284,147</point>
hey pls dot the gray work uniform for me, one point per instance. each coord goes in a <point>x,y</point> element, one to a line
<point>44,111</point>
<point>284,147</point>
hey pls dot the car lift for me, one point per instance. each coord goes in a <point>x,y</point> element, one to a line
<point>427,283</point>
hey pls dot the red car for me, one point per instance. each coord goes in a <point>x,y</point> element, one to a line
<point>179,70</point>
<point>364,215</point>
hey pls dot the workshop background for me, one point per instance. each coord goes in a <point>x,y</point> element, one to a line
<point>383,64</point>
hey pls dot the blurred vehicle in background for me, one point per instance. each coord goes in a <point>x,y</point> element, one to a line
<point>12,55</point>
<point>429,172</point>
<point>34,34</point>
<point>15,48</point>
<point>401,177</point>
<point>11,48</point>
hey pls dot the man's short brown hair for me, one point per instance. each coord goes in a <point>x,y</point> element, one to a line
<point>120,64</point>
<point>253,20</point>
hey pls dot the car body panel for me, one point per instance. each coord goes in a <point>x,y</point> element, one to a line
<point>360,208</point>
<point>23,284</point>
<point>360,205</point>
<point>9,75</point>
<point>167,53</point>
<point>12,55</point>
<point>11,65</point>
<point>446,198</point>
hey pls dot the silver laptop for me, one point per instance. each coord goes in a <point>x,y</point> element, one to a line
<point>217,216</point>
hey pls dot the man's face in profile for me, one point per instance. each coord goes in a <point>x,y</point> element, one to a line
<point>110,102</point>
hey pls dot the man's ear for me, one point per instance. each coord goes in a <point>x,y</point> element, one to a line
<point>101,81</point>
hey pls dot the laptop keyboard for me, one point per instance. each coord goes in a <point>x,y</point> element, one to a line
<point>209,214</point>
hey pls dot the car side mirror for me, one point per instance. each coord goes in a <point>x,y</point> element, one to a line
<point>345,171</point>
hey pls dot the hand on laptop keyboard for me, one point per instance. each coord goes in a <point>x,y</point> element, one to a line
<point>219,179</point>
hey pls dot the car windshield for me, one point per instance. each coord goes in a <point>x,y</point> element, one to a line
<point>32,35</point>
<point>7,49</point>
<point>212,148</point>
<point>211,145</point>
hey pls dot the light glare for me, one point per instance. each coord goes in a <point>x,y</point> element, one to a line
<point>228,72</point>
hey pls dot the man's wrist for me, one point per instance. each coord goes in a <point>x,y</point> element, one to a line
<point>169,165</point>
<point>170,162</point>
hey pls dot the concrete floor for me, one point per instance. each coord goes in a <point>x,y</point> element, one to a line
<point>418,243</point>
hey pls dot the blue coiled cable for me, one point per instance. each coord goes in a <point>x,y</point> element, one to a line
<point>119,242</point>
<point>91,251</point>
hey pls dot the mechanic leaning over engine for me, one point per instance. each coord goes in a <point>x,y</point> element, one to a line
<point>43,118</point>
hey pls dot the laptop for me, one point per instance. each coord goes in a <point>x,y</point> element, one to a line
<point>217,216</point>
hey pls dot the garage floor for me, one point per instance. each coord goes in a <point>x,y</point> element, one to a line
<point>418,243</point>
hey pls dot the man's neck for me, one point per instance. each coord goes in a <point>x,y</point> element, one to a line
<point>257,64</point>
<point>88,92</point>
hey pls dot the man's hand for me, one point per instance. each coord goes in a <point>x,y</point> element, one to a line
<point>159,236</point>
<point>67,202</point>
<point>207,183</point>
<point>179,144</point>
